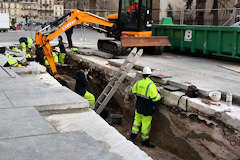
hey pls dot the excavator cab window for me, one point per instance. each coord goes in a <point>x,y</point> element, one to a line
<point>135,15</point>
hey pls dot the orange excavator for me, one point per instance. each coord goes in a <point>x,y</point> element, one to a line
<point>130,27</point>
<point>75,17</point>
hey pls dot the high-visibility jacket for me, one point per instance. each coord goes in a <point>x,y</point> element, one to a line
<point>147,94</point>
<point>30,42</point>
<point>24,49</point>
<point>74,50</point>
<point>14,62</point>
<point>55,57</point>
<point>16,49</point>
<point>28,55</point>
<point>23,46</point>
<point>132,7</point>
<point>62,58</point>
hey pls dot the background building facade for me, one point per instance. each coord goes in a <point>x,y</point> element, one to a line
<point>58,9</point>
<point>31,8</point>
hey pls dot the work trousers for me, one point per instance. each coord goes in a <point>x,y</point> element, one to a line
<point>62,58</point>
<point>91,99</point>
<point>144,122</point>
<point>69,38</point>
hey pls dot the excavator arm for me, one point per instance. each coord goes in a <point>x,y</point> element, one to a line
<point>75,17</point>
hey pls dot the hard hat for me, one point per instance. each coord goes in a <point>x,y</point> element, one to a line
<point>147,70</point>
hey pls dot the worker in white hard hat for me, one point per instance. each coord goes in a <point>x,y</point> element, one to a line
<point>147,95</point>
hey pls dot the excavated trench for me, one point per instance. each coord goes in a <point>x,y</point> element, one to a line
<point>175,135</point>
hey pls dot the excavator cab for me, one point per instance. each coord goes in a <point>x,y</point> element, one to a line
<point>133,19</point>
<point>135,15</point>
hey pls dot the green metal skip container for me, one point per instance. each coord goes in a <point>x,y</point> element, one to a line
<point>207,40</point>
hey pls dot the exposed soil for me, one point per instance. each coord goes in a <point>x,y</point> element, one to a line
<point>96,87</point>
<point>175,136</point>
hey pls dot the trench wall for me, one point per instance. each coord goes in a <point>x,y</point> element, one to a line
<point>185,136</point>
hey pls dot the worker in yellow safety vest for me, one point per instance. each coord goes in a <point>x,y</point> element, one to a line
<point>16,49</point>
<point>10,25</point>
<point>74,50</point>
<point>61,50</point>
<point>55,57</point>
<point>12,62</point>
<point>26,45</point>
<point>82,79</point>
<point>147,95</point>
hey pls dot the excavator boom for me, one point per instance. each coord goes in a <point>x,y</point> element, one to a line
<point>75,17</point>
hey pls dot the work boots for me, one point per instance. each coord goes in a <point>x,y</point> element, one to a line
<point>147,143</point>
<point>132,137</point>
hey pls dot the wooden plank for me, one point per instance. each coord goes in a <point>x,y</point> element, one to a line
<point>145,41</point>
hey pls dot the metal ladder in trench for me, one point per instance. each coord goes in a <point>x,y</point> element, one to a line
<point>116,80</point>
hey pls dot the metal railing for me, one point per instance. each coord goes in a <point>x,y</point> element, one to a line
<point>219,17</point>
<point>224,16</point>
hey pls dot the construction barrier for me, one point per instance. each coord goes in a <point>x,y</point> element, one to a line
<point>207,40</point>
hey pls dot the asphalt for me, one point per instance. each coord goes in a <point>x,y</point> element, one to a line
<point>79,36</point>
<point>206,74</point>
<point>74,146</point>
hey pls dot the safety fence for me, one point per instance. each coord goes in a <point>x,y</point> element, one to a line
<point>223,16</point>
<point>219,17</point>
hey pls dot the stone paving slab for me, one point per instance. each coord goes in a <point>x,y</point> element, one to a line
<point>6,73</point>
<point>67,146</point>
<point>44,78</point>
<point>32,68</point>
<point>3,74</point>
<point>20,83</point>
<point>4,102</point>
<point>43,97</point>
<point>22,122</point>
<point>3,60</point>
<point>101,131</point>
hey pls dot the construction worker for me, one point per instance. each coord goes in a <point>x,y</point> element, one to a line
<point>10,25</point>
<point>63,53</point>
<point>74,50</point>
<point>26,45</point>
<point>16,49</point>
<point>82,79</point>
<point>12,62</point>
<point>55,58</point>
<point>29,43</point>
<point>147,94</point>
<point>69,33</point>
